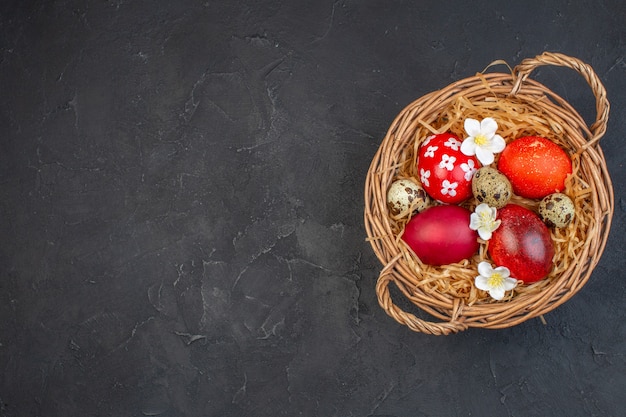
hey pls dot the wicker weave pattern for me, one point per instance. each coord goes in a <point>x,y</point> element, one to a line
<point>581,141</point>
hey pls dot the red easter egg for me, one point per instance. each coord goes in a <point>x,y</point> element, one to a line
<point>535,166</point>
<point>522,243</point>
<point>441,235</point>
<point>444,171</point>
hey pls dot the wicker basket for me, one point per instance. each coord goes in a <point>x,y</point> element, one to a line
<point>449,313</point>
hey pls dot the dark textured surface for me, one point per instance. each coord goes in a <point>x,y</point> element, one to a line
<point>181,211</point>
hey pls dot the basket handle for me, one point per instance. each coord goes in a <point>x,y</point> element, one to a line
<point>408,319</point>
<point>524,68</point>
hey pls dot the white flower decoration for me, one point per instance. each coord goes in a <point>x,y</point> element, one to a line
<point>430,152</point>
<point>469,169</point>
<point>448,188</point>
<point>447,162</point>
<point>428,139</point>
<point>484,221</point>
<point>424,175</point>
<point>495,280</point>
<point>482,140</point>
<point>452,144</point>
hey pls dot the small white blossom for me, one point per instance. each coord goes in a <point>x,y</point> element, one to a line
<point>430,152</point>
<point>453,144</point>
<point>469,169</point>
<point>448,188</point>
<point>482,140</point>
<point>484,221</point>
<point>424,175</point>
<point>495,280</point>
<point>447,162</point>
<point>428,139</point>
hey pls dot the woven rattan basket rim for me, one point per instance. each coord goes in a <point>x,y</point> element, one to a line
<point>454,315</point>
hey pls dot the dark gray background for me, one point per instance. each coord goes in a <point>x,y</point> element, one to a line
<point>181,210</point>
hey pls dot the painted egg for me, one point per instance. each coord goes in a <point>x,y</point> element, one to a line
<point>535,166</point>
<point>441,235</point>
<point>445,172</point>
<point>556,210</point>
<point>522,243</point>
<point>491,187</point>
<point>405,196</point>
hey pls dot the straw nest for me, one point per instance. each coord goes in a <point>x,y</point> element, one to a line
<point>521,107</point>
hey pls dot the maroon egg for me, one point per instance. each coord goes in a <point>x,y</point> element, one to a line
<point>441,235</point>
<point>522,243</point>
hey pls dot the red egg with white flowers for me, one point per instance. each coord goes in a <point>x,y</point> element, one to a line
<point>444,171</point>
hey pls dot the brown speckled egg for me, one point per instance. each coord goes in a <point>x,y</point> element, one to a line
<point>491,187</point>
<point>556,210</point>
<point>406,196</point>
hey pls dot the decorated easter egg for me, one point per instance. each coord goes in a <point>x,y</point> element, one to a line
<point>444,171</point>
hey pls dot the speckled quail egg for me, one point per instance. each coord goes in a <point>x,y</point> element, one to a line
<point>406,196</point>
<point>557,210</point>
<point>491,187</point>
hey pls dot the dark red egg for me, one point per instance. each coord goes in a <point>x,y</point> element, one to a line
<point>441,235</point>
<point>522,243</point>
